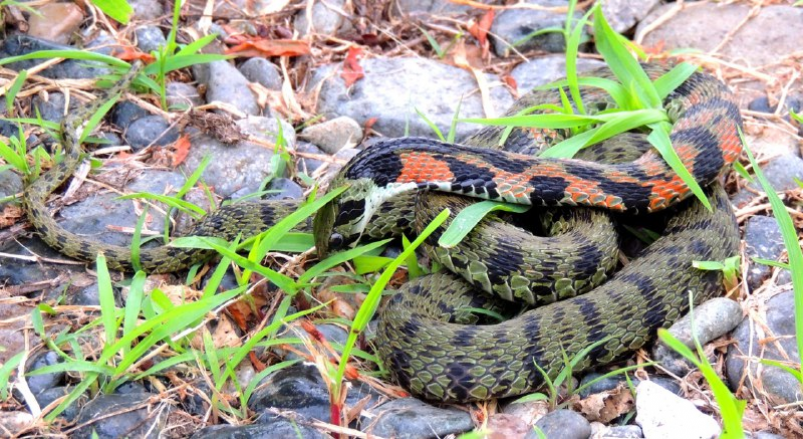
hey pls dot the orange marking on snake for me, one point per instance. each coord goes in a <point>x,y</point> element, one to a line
<point>420,167</point>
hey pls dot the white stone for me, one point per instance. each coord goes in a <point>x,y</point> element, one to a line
<point>663,415</point>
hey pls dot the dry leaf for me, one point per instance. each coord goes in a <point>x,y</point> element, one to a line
<point>181,149</point>
<point>261,47</point>
<point>607,406</point>
<point>352,70</point>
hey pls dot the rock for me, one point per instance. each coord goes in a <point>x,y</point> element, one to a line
<point>52,109</point>
<point>263,72</point>
<point>20,272</point>
<point>512,27</point>
<point>227,85</point>
<point>528,412</point>
<point>333,135</point>
<point>780,172</point>
<point>285,189</point>
<point>409,418</point>
<point>622,15</point>
<point>562,424</point>
<point>125,113</point>
<point>74,69</point>
<point>343,156</point>
<point>763,239</point>
<point>181,96</point>
<point>766,435</point>
<point>394,87</point>
<point>661,414</point>
<point>268,130</point>
<point>546,69</point>
<point>764,38</point>
<point>10,184</point>
<point>301,389</point>
<point>55,22</point>
<point>712,320</point>
<point>622,431</point>
<point>15,421</point>
<point>150,130</point>
<point>327,17</point>
<point>778,385</point>
<point>135,417</point>
<point>147,10</point>
<point>150,38</point>
<point>39,383</point>
<point>104,43</point>
<point>772,141</point>
<point>94,215</point>
<point>305,164</point>
<point>266,427</point>
<point>46,397</point>
<point>502,425</point>
<point>333,334</point>
<point>435,7</point>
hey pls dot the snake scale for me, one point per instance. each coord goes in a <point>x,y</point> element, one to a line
<point>394,187</point>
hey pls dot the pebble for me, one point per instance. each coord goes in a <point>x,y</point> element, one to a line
<point>104,43</point>
<point>326,18</point>
<point>773,141</point>
<point>267,129</point>
<point>93,216</point>
<point>511,27</point>
<point>781,172</point>
<point>136,417</point>
<point>150,38</point>
<point>87,296</point>
<point>410,418</point>
<point>308,165</point>
<point>19,272</point>
<point>780,386</point>
<point>46,397</point>
<point>266,427</point>
<point>150,130</point>
<point>55,22</point>
<point>435,7</point>
<point>284,189</point>
<point>333,135</point>
<point>501,425</point>
<point>394,87</point>
<point>301,389</point>
<point>344,155</point>
<point>546,69</point>
<point>74,69</point>
<point>663,415</point>
<point>622,15</point>
<point>10,184</point>
<point>52,108</point>
<point>712,320</point>
<point>262,72</point>
<point>39,383</point>
<point>181,95</point>
<point>15,421</point>
<point>147,10</point>
<point>125,113</point>
<point>622,431</point>
<point>763,239</point>
<point>227,85</point>
<point>562,424</point>
<point>763,39</point>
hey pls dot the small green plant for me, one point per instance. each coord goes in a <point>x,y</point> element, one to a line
<point>440,51</point>
<point>731,408</point>
<point>730,268</point>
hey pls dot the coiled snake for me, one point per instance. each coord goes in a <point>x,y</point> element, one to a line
<point>393,184</point>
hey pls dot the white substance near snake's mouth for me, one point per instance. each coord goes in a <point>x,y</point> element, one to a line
<point>376,197</point>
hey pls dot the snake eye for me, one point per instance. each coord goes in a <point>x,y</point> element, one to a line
<point>336,241</point>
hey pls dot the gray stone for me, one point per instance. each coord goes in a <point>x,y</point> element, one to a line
<point>763,239</point>
<point>267,129</point>
<point>266,427</point>
<point>435,7</point>
<point>763,39</point>
<point>622,15</point>
<point>712,320</point>
<point>125,113</point>
<point>327,17</point>
<point>612,382</point>
<point>546,69</point>
<point>780,386</point>
<point>333,334</point>
<point>394,88</point>
<point>766,435</point>
<point>114,416</point>
<point>10,184</point>
<point>262,72</point>
<point>306,164</point>
<point>150,130</point>
<point>52,109</point>
<point>344,155</point>
<point>562,424</point>
<point>285,189</point>
<point>150,38</point>
<point>409,418</point>
<point>181,96</point>
<point>301,389</point>
<point>104,43</point>
<point>623,431</point>
<point>70,68</point>
<point>227,85</point>
<point>781,172</point>
<point>333,135</point>
<point>146,10</point>
<point>663,415</point>
<point>513,26</point>
<point>48,396</point>
<point>39,383</point>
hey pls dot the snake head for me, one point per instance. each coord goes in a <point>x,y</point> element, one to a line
<point>341,222</point>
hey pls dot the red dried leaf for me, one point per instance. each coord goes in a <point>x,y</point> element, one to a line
<point>261,47</point>
<point>310,328</point>
<point>128,53</point>
<point>479,30</point>
<point>181,150</point>
<point>352,70</point>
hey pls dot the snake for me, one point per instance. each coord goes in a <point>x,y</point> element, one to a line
<point>574,302</point>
